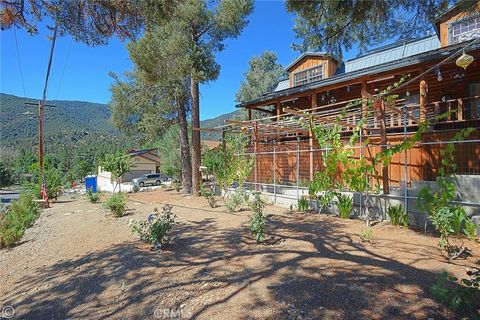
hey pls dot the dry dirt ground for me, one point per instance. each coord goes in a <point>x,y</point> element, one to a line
<point>79,262</point>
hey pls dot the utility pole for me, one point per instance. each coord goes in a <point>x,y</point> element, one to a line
<point>41,105</point>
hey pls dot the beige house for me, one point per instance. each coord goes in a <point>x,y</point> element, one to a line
<point>142,162</point>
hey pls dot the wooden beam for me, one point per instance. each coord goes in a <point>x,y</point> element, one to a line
<point>264,125</point>
<point>206,129</point>
<point>399,112</point>
<point>323,119</point>
<point>263,110</point>
<point>249,114</point>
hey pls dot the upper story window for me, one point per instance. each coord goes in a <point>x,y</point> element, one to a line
<point>308,75</point>
<point>465,30</point>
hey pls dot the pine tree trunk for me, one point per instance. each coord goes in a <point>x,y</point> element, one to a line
<point>184,148</point>
<point>196,146</point>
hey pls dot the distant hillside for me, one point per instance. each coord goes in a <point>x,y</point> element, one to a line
<point>71,119</point>
<point>219,121</point>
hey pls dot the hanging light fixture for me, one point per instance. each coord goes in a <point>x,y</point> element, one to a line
<point>464,60</point>
<point>348,88</point>
<point>439,74</point>
<point>407,93</point>
<point>323,97</point>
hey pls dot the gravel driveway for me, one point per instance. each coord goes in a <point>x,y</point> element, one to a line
<point>79,262</point>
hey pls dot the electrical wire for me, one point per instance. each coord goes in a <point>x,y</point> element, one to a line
<point>64,68</point>
<point>18,60</point>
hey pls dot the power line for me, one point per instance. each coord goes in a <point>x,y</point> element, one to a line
<point>64,68</point>
<point>18,60</point>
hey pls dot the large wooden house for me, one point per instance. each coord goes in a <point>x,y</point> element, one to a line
<point>319,82</point>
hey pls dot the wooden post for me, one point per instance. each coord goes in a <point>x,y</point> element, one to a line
<point>364,99</point>
<point>423,100</point>
<point>460,109</point>
<point>249,114</point>
<point>255,146</point>
<point>437,110</point>
<point>383,141</point>
<point>278,110</point>
<point>313,101</point>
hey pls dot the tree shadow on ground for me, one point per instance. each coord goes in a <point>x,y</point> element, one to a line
<point>317,272</point>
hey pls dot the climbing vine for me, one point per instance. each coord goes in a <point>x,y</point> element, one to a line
<point>447,217</point>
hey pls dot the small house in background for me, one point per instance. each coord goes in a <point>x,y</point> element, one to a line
<point>142,162</point>
<point>210,144</point>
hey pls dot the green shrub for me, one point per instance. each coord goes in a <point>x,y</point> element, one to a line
<point>117,204</point>
<point>344,205</point>
<point>19,216</point>
<point>235,200</point>
<point>397,215</point>
<point>303,204</point>
<point>54,181</point>
<point>463,297</point>
<point>325,200</point>
<point>366,234</point>
<point>94,197</point>
<point>210,196</point>
<point>156,229</point>
<point>177,185</point>
<point>258,220</point>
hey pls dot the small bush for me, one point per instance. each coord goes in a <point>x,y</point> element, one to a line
<point>397,215</point>
<point>235,200</point>
<point>156,229</point>
<point>117,204</point>
<point>326,199</point>
<point>459,297</point>
<point>19,216</point>
<point>258,220</point>
<point>210,196</point>
<point>303,204</point>
<point>366,235</point>
<point>177,185</point>
<point>344,205</point>
<point>94,197</point>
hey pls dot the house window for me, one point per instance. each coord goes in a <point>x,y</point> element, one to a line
<point>465,30</point>
<point>307,76</point>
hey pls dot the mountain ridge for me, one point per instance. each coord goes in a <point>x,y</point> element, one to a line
<point>18,122</point>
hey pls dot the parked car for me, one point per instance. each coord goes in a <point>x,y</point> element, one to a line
<point>150,178</point>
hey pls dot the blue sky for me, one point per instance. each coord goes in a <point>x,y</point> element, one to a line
<point>86,71</point>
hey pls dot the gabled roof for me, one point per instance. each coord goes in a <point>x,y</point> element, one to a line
<point>145,153</point>
<point>211,144</point>
<point>374,69</point>
<point>378,56</point>
<point>311,54</point>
